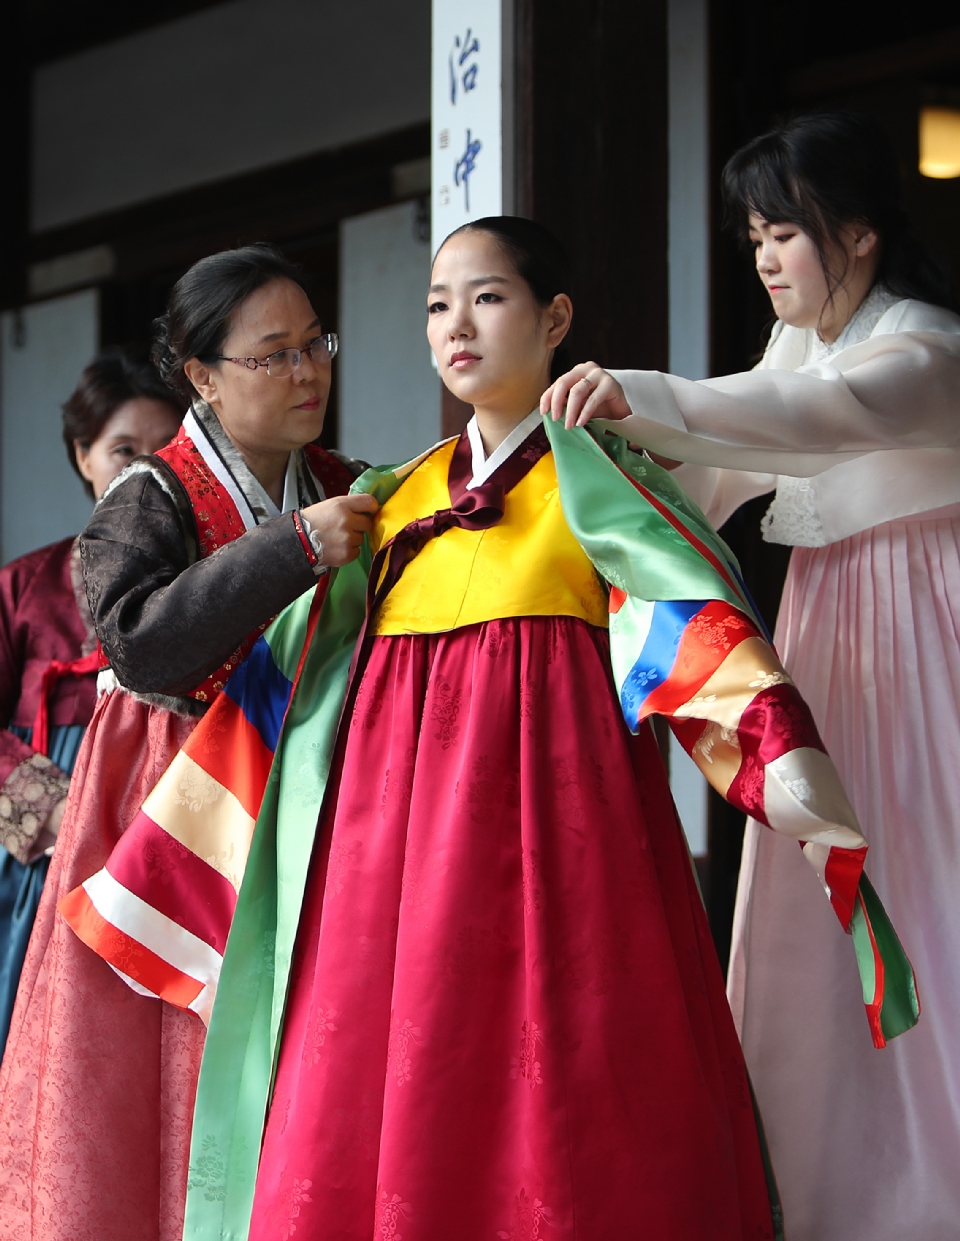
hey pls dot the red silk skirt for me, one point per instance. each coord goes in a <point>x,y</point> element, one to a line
<point>97,1085</point>
<point>507,1019</point>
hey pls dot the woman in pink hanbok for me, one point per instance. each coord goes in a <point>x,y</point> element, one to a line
<point>853,417</point>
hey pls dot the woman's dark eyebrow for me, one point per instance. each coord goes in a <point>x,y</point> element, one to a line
<point>442,288</point>
<point>280,335</point>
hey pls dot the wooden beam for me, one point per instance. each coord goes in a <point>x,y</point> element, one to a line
<point>14,201</point>
<point>302,198</point>
<point>828,77</point>
<point>55,28</point>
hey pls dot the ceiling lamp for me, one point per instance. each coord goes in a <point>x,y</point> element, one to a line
<point>940,142</point>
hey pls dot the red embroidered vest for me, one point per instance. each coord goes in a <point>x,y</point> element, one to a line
<point>219,522</point>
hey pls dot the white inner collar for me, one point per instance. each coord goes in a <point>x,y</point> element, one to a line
<point>291,498</point>
<point>484,466</point>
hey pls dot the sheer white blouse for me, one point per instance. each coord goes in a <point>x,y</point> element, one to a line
<point>852,434</point>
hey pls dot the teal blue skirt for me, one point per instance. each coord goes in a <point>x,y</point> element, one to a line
<point>21,886</point>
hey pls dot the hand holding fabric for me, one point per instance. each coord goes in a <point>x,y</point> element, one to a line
<point>588,391</point>
<point>341,524</point>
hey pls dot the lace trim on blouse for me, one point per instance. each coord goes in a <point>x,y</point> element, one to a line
<point>793,517</point>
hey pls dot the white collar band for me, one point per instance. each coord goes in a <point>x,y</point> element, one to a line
<point>484,466</point>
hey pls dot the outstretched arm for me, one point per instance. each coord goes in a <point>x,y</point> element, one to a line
<point>889,392</point>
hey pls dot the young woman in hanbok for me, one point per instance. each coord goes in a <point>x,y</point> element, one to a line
<point>188,556</point>
<point>505,1017</point>
<point>48,659</point>
<point>853,416</point>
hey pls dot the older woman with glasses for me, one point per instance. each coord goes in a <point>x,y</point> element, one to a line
<point>189,555</point>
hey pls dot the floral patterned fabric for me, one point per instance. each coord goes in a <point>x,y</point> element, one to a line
<point>28,795</point>
<point>43,617</point>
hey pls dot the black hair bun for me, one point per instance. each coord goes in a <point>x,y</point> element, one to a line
<point>202,305</point>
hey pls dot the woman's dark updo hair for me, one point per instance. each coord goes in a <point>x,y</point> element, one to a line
<point>106,384</point>
<point>537,257</point>
<point>825,170</point>
<point>202,304</point>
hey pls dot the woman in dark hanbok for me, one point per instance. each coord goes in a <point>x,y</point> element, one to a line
<point>188,556</point>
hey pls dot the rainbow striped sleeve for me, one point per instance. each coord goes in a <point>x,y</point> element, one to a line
<point>687,644</point>
<point>160,910</point>
<point>704,665</point>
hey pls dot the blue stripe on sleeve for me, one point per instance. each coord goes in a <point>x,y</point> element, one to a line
<point>659,653</point>
<point>262,692</point>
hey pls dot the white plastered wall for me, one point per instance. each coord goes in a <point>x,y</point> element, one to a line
<point>43,349</point>
<point>233,88</point>
<point>389,391</point>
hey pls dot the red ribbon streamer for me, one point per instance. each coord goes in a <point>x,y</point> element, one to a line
<point>56,669</point>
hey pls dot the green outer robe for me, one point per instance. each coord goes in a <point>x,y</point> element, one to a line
<point>632,545</point>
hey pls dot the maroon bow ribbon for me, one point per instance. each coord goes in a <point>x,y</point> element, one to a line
<point>476,509</point>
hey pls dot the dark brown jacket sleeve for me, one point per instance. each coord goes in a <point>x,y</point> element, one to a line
<point>166,623</point>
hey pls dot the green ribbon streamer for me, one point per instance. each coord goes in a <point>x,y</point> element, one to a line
<point>239,1056</point>
<point>900,1005</point>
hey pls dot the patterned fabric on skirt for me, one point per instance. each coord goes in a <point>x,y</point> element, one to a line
<point>97,1083</point>
<point>507,1019</point>
<point>870,630</point>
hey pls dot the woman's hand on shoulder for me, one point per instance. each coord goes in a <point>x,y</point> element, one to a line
<point>341,524</point>
<point>581,394</point>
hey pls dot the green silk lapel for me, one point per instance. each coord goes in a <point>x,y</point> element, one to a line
<point>648,550</point>
<point>241,1045</point>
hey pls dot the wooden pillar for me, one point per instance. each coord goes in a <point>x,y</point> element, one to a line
<point>591,156</point>
<point>591,164</point>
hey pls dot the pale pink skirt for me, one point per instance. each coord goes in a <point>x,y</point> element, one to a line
<point>97,1083</point>
<point>865,1143</point>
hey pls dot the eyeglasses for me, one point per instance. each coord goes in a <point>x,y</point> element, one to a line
<point>286,361</point>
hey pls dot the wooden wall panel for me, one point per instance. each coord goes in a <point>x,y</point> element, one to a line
<point>592,163</point>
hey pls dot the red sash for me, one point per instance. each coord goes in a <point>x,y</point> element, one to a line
<point>219,522</point>
<point>54,671</point>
